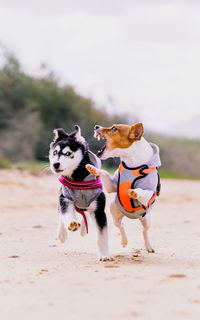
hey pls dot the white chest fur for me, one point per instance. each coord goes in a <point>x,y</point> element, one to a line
<point>137,154</point>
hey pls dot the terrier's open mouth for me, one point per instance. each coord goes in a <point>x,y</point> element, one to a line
<point>100,152</point>
<point>99,136</point>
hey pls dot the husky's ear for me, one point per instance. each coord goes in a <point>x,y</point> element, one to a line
<point>78,135</point>
<point>59,134</point>
<point>136,131</point>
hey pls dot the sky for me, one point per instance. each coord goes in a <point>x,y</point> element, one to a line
<point>137,57</point>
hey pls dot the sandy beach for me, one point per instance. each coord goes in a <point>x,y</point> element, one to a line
<point>41,278</point>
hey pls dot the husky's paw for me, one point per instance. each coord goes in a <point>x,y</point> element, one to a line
<point>92,169</point>
<point>83,230</point>
<point>105,257</point>
<point>132,194</point>
<point>73,226</point>
<point>124,243</point>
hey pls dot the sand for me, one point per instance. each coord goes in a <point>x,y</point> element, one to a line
<point>41,278</point>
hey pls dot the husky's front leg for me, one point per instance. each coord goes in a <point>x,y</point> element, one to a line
<point>98,216</point>
<point>67,218</point>
<point>104,175</point>
<point>61,230</point>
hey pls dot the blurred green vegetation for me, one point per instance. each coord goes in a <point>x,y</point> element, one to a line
<point>5,163</point>
<point>31,107</point>
<point>39,167</point>
<point>30,165</point>
<point>180,156</point>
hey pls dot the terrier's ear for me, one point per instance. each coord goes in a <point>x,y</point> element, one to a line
<point>59,134</point>
<point>136,131</point>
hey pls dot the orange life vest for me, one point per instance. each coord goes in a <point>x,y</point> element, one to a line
<point>126,180</point>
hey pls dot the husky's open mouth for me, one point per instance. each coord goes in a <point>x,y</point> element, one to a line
<point>58,171</point>
<point>99,136</point>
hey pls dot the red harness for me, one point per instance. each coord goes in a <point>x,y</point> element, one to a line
<point>81,185</point>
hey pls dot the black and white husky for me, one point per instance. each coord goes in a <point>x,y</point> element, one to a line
<point>68,156</point>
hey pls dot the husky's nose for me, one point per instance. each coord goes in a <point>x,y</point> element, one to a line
<point>56,165</point>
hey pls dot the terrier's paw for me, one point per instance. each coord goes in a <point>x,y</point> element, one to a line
<point>149,248</point>
<point>92,169</point>
<point>73,226</point>
<point>105,258</point>
<point>132,194</point>
<point>152,251</point>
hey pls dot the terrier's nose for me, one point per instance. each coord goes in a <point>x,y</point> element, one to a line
<point>97,127</point>
<point>56,165</point>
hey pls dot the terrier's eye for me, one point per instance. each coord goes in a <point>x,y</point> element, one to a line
<point>55,152</point>
<point>113,129</point>
<point>68,153</point>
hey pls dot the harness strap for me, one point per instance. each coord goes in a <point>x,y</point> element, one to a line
<point>140,171</point>
<point>82,212</point>
<point>158,186</point>
<point>81,185</point>
<point>149,170</point>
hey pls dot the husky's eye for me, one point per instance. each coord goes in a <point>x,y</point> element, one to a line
<point>68,153</point>
<point>55,152</point>
<point>113,129</point>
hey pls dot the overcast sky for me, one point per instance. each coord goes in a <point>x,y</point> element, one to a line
<point>140,57</point>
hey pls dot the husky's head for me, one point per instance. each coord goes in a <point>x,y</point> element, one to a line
<point>67,151</point>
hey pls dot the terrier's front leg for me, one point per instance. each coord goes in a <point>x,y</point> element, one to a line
<point>104,175</point>
<point>93,170</point>
<point>142,195</point>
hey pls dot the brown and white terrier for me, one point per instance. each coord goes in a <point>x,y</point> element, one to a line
<point>136,182</point>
